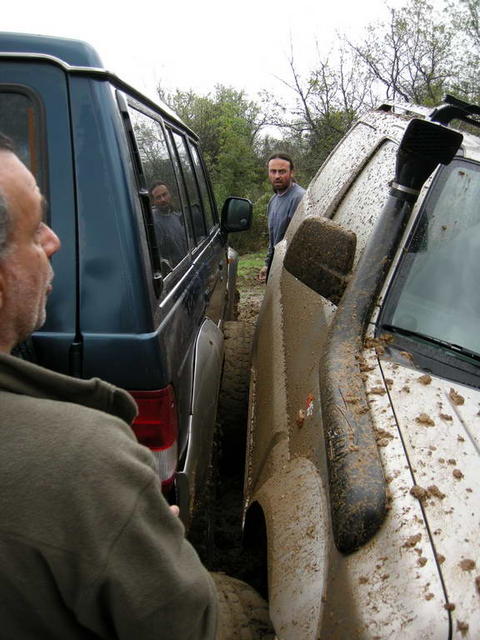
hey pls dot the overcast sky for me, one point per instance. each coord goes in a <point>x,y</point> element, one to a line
<point>197,44</point>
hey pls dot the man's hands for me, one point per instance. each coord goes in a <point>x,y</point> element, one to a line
<point>262,274</point>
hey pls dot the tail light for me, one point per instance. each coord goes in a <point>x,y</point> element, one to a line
<point>156,427</point>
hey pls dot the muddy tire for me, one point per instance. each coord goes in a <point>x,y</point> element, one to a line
<point>233,398</point>
<point>232,311</point>
<point>201,533</point>
<point>242,613</point>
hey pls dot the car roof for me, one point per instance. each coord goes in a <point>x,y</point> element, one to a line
<point>74,56</point>
<point>75,53</point>
<point>393,119</point>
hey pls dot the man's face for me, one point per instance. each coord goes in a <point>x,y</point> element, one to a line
<point>280,174</point>
<point>25,271</point>
<point>161,197</point>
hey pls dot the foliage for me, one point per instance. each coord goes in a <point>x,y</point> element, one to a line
<point>465,18</point>
<point>256,238</point>
<point>249,265</point>
<point>417,55</point>
<point>411,55</point>
<point>327,101</point>
<point>228,125</point>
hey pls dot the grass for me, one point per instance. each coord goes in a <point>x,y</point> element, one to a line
<point>248,267</point>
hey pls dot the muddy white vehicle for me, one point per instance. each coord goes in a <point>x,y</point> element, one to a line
<point>364,422</point>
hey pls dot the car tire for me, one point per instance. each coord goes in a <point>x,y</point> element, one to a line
<point>202,529</point>
<point>242,612</point>
<point>233,398</point>
<point>232,306</point>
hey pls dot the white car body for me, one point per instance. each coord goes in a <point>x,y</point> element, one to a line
<point>418,575</point>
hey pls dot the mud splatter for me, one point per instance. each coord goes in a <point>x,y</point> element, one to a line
<point>462,627</point>
<point>419,493</point>
<point>412,541</point>
<point>380,391</point>
<point>425,419</point>
<point>434,491</point>
<point>456,398</point>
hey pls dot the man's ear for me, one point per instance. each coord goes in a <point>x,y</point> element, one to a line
<point>2,289</point>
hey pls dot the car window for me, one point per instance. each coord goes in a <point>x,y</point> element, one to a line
<point>210,216</point>
<point>20,121</point>
<point>161,181</point>
<point>435,290</point>
<point>194,197</point>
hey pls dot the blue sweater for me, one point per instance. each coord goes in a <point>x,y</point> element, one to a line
<point>281,208</point>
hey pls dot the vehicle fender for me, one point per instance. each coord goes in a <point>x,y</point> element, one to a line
<point>207,371</point>
<point>298,530</point>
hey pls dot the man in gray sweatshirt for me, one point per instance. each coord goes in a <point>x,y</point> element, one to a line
<point>282,204</point>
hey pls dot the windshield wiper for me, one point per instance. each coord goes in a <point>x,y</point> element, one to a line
<point>436,341</point>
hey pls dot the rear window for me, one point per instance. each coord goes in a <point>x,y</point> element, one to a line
<point>20,120</point>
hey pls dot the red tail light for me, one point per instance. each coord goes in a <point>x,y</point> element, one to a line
<point>156,427</point>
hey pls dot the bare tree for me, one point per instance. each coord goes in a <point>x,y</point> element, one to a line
<point>326,102</point>
<point>410,56</point>
<point>465,18</point>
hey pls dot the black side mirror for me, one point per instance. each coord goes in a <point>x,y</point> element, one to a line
<point>236,214</point>
<point>320,255</point>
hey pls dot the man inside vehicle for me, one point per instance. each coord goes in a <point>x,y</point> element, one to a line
<point>169,226</point>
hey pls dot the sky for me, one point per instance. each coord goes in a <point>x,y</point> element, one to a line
<point>197,44</point>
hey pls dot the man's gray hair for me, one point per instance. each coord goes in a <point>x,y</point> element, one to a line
<point>5,221</point>
<point>4,225</point>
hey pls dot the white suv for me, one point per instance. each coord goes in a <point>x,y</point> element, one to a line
<point>362,478</point>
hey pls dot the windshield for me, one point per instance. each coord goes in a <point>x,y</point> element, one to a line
<point>436,290</point>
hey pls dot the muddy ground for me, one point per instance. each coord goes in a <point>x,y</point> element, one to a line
<point>222,548</point>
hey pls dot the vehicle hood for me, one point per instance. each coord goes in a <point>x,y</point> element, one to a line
<point>439,425</point>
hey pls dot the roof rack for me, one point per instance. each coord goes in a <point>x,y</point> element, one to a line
<point>405,108</point>
<point>455,109</point>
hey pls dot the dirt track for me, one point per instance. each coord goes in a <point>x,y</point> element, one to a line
<point>251,295</point>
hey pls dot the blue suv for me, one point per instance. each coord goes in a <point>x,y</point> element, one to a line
<point>145,279</point>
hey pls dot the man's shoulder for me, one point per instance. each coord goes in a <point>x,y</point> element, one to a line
<point>26,379</point>
<point>48,421</point>
<point>297,189</point>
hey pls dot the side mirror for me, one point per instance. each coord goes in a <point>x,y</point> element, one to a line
<point>320,255</point>
<point>236,214</point>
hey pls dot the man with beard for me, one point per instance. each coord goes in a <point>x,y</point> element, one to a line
<point>282,204</point>
<point>169,227</point>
